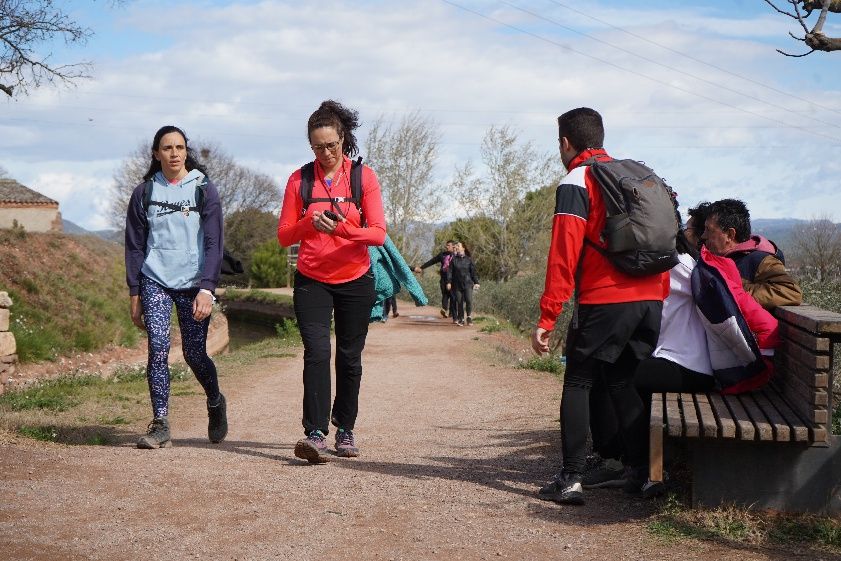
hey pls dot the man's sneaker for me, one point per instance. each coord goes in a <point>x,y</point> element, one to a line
<point>565,488</point>
<point>157,435</point>
<point>606,474</point>
<point>444,313</point>
<point>460,323</point>
<point>313,448</point>
<point>395,315</point>
<point>469,320</point>
<point>635,479</point>
<point>346,444</point>
<point>217,420</point>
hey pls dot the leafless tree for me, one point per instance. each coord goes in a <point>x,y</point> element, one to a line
<point>24,26</point>
<point>512,169</point>
<point>240,188</point>
<point>814,38</point>
<point>403,155</point>
<point>818,244</point>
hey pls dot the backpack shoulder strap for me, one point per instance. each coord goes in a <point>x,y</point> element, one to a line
<point>356,183</point>
<point>147,195</point>
<point>201,192</point>
<point>307,182</point>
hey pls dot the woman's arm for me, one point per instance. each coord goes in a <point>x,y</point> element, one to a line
<point>212,226</point>
<point>135,240</point>
<point>291,226</point>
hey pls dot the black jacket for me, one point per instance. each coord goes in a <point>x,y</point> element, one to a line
<point>462,272</point>
<point>438,259</point>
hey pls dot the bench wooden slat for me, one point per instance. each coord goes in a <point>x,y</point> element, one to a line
<point>722,413</point>
<point>799,430</point>
<point>782,432</point>
<point>813,360</point>
<point>763,427</point>
<point>673,417</point>
<point>811,341</point>
<point>690,416</point>
<point>792,367</point>
<point>655,436</point>
<point>709,427</point>
<point>810,318</point>
<point>744,426</point>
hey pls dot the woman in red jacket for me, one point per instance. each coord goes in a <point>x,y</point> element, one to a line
<point>333,277</point>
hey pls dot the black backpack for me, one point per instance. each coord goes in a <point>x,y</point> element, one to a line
<point>308,181</point>
<point>230,264</point>
<point>640,225</point>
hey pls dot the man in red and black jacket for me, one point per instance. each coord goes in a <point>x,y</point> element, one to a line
<point>617,320</point>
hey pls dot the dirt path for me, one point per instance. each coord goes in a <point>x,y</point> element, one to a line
<point>453,450</point>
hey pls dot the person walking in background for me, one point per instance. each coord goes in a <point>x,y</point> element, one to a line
<point>443,258</point>
<point>462,280</point>
<point>173,254</point>
<point>390,305</point>
<point>333,278</point>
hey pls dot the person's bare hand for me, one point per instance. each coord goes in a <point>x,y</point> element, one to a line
<point>322,223</point>
<point>136,311</point>
<point>540,340</point>
<point>202,306</point>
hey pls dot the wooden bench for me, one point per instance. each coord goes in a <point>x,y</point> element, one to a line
<point>772,448</point>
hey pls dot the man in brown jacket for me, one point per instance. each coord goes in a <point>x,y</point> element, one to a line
<point>764,276</point>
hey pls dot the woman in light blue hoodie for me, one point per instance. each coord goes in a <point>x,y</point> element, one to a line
<point>174,256</point>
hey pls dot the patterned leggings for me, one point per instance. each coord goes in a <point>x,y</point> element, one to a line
<point>157,304</point>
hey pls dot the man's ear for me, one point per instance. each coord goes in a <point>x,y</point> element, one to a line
<point>565,144</point>
<point>731,234</point>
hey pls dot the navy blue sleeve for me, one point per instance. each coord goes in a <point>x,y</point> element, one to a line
<point>137,229</point>
<point>212,224</point>
<point>573,200</point>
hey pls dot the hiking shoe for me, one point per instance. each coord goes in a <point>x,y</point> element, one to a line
<point>469,320</point>
<point>606,474</point>
<point>444,313</point>
<point>395,315</point>
<point>313,448</point>
<point>635,479</point>
<point>460,323</point>
<point>565,488</point>
<point>157,435</point>
<point>346,444</point>
<point>217,420</point>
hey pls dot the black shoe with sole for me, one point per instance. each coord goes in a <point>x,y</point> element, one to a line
<point>157,435</point>
<point>565,488</point>
<point>217,420</point>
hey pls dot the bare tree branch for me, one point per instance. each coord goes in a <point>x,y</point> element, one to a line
<point>25,25</point>
<point>815,39</point>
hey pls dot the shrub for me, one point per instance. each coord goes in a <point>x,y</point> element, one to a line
<point>268,265</point>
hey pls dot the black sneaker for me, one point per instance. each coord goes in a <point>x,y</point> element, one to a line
<point>469,320</point>
<point>157,435</point>
<point>605,474</point>
<point>313,448</point>
<point>635,479</point>
<point>565,488</point>
<point>217,420</point>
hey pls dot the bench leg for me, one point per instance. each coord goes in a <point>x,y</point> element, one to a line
<point>655,439</point>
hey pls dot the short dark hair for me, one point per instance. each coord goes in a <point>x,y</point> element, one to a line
<point>732,213</point>
<point>450,241</point>
<point>699,215</point>
<point>583,128</point>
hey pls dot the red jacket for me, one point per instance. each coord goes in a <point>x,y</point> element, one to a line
<point>580,213</point>
<point>341,256</point>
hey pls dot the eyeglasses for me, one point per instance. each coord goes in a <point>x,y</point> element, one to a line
<point>329,146</point>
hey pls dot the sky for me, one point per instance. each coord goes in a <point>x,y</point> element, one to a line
<point>694,89</point>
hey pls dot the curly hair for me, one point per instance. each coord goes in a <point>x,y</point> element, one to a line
<point>333,114</point>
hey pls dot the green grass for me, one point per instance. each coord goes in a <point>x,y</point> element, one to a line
<point>738,525</point>
<point>548,363</point>
<point>47,434</point>
<point>259,296</point>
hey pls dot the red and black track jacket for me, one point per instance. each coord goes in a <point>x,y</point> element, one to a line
<point>580,213</point>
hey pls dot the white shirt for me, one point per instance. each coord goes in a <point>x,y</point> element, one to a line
<point>682,336</point>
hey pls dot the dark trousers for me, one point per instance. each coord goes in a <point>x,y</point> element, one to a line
<point>390,305</point>
<point>445,295</point>
<point>464,301</point>
<point>350,304</point>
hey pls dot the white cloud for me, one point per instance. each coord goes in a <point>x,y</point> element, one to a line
<point>247,76</point>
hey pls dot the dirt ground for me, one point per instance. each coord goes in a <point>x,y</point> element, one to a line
<point>453,446</point>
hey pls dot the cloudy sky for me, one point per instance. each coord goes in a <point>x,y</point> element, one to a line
<point>695,89</point>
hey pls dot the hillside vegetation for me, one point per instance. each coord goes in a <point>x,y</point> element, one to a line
<point>69,293</point>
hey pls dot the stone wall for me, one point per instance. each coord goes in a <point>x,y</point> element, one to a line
<point>8,358</point>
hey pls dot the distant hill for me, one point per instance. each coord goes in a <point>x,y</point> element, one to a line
<point>74,229</point>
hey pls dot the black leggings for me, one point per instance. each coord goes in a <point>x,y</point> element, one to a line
<point>464,301</point>
<point>315,304</point>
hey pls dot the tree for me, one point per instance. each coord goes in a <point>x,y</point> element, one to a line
<point>25,25</point>
<point>512,170</point>
<point>818,244</point>
<point>268,268</point>
<point>240,188</point>
<point>245,230</point>
<point>403,155</point>
<point>814,38</point>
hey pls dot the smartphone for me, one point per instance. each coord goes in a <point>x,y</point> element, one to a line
<point>331,215</point>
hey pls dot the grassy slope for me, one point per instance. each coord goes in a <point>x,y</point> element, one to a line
<point>69,293</point>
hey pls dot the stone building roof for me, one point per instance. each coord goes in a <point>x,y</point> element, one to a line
<point>12,192</point>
